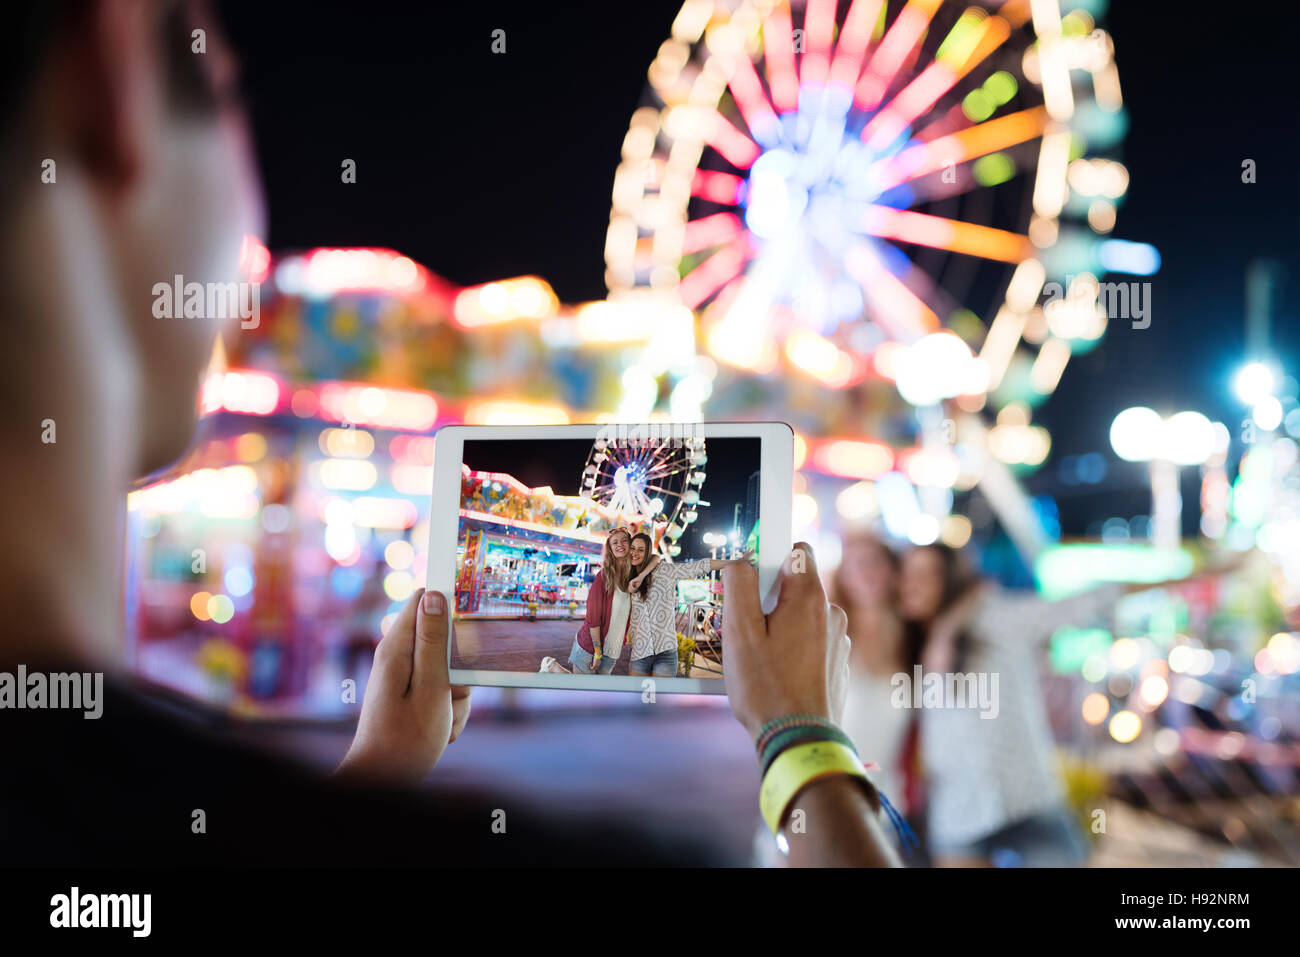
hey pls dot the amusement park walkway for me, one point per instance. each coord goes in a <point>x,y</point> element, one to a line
<point>680,764</point>
<point>512,644</point>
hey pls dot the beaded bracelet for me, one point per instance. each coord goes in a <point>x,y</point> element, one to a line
<point>790,737</point>
<point>795,738</point>
<point>776,725</point>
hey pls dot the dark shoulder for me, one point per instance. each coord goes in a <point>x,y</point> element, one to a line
<point>146,783</point>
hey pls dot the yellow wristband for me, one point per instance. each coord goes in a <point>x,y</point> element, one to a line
<point>796,768</point>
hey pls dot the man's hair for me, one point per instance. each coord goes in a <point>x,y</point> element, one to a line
<point>32,26</point>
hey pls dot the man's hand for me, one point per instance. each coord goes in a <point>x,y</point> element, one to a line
<point>411,712</point>
<point>796,660</point>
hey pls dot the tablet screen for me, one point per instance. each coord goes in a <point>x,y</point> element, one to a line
<point>554,536</point>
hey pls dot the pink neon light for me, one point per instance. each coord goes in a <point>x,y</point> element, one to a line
<point>717,186</point>
<point>747,89</point>
<point>711,231</point>
<point>854,37</point>
<point>819,31</point>
<point>254,259</point>
<point>736,148</point>
<point>778,57</point>
<point>724,265</point>
<point>894,48</point>
<point>914,99</point>
<point>385,408</point>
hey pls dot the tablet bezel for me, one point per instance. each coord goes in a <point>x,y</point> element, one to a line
<point>776,488</point>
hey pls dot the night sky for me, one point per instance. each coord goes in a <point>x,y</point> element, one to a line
<point>559,464</point>
<point>483,166</point>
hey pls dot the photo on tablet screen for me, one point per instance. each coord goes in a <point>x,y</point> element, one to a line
<point>569,546</point>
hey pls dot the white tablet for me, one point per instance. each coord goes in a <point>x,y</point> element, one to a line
<point>539,536</point>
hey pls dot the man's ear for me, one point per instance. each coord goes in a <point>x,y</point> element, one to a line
<point>110,88</point>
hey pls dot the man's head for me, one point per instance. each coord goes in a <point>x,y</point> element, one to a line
<point>127,162</point>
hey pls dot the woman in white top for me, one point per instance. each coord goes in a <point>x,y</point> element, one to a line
<point>654,606</point>
<point>865,586</point>
<point>994,795</point>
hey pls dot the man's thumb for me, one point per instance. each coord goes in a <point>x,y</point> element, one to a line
<point>431,634</point>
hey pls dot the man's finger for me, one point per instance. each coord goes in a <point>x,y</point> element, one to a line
<point>431,632</point>
<point>460,705</point>
<point>393,656</point>
<point>740,596</point>
<point>801,566</point>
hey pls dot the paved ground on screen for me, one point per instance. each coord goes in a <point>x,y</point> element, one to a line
<point>509,644</point>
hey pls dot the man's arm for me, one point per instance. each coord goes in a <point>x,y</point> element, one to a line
<point>795,662</point>
<point>839,827</point>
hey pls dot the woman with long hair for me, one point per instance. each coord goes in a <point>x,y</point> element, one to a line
<point>653,588</point>
<point>994,796</point>
<point>865,585</point>
<point>599,640</point>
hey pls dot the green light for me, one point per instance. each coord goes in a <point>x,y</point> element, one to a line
<point>1072,647</point>
<point>1073,25</point>
<point>1001,86</point>
<point>960,42</point>
<point>993,169</point>
<point>967,325</point>
<point>1063,570</point>
<point>1094,669</point>
<point>978,105</point>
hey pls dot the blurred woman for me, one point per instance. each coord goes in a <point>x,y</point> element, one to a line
<point>994,795</point>
<point>865,586</point>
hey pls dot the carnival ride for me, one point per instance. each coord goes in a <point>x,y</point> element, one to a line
<point>652,482</point>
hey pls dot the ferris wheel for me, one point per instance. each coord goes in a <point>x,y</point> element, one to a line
<point>652,483</point>
<point>816,179</point>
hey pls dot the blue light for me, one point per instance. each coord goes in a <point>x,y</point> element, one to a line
<point>239,580</point>
<point>347,582</point>
<point>1134,259</point>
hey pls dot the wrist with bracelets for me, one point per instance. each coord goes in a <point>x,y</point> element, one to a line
<point>796,750</point>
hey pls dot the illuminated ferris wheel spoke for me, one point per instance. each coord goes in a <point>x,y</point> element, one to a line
<point>819,31</point>
<point>717,186</point>
<point>658,488</point>
<point>968,50</point>
<point>778,56</point>
<point>662,468</point>
<point>712,274</point>
<point>747,91</point>
<point>716,230</point>
<point>970,239</point>
<point>892,304</point>
<point>1015,12</point>
<point>898,43</point>
<point>732,145</point>
<point>854,37</point>
<point>991,136</point>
